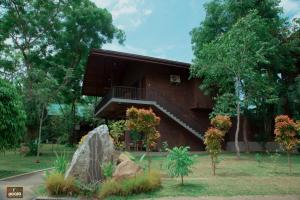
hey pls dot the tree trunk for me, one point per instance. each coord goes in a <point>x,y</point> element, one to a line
<point>236,138</point>
<point>40,135</point>
<point>213,166</point>
<point>149,158</point>
<point>245,122</point>
<point>181,180</point>
<point>289,162</point>
<point>148,153</point>
<point>72,125</point>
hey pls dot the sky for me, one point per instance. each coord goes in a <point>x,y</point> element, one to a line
<point>160,28</point>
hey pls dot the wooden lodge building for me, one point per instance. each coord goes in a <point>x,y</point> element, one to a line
<point>124,80</point>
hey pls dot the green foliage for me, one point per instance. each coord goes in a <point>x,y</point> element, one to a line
<point>117,130</point>
<point>225,105</point>
<point>258,159</point>
<point>87,189</point>
<point>108,170</point>
<point>60,163</point>
<point>231,64</point>
<point>179,162</point>
<point>233,58</point>
<point>272,87</point>
<point>33,147</point>
<point>144,121</point>
<point>286,135</point>
<point>164,146</point>
<point>139,184</point>
<point>12,116</point>
<point>49,42</point>
<point>57,185</point>
<point>222,15</point>
<point>214,136</point>
<point>275,159</point>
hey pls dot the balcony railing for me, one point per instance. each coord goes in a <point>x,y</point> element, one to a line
<point>122,92</point>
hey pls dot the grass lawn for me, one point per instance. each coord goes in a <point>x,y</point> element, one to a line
<point>13,163</point>
<point>243,177</point>
<point>233,177</point>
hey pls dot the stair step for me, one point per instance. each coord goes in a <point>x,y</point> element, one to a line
<point>177,119</point>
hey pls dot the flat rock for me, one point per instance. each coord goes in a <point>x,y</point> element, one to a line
<point>96,149</point>
<point>122,157</point>
<point>126,169</point>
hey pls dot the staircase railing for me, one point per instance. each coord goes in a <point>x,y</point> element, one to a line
<point>161,99</point>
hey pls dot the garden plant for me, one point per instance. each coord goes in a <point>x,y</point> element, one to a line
<point>179,162</point>
<point>144,121</point>
<point>213,137</point>
<point>286,135</point>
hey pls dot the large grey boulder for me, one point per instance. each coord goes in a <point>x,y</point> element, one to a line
<point>96,149</point>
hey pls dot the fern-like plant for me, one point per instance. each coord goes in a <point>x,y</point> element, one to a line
<point>179,162</point>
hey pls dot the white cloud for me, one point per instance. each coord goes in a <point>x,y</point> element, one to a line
<point>127,14</point>
<point>291,8</point>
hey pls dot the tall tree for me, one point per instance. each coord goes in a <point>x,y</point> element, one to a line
<point>221,15</point>
<point>48,41</point>
<point>230,63</point>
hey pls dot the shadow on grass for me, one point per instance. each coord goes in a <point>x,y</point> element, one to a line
<point>276,173</point>
<point>233,174</point>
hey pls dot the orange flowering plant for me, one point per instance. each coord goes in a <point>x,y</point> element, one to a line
<point>214,136</point>
<point>286,134</point>
<point>222,122</point>
<point>144,121</point>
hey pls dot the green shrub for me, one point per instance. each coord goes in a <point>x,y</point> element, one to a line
<point>60,163</point>
<point>108,169</point>
<point>179,162</point>
<point>57,185</point>
<point>258,158</point>
<point>12,116</point>
<point>33,147</point>
<point>135,185</point>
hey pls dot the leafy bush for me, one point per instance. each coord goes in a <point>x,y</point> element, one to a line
<point>286,135</point>
<point>57,185</point>
<point>139,184</point>
<point>12,116</point>
<point>258,159</point>
<point>116,130</point>
<point>221,122</point>
<point>108,169</point>
<point>179,162</point>
<point>33,148</point>
<point>144,121</point>
<point>60,163</point>
<point>214,136</point>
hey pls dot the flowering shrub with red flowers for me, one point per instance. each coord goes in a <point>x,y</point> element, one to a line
<point>144,121</point>
<point>214,137</point>
<point>286,134</point>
